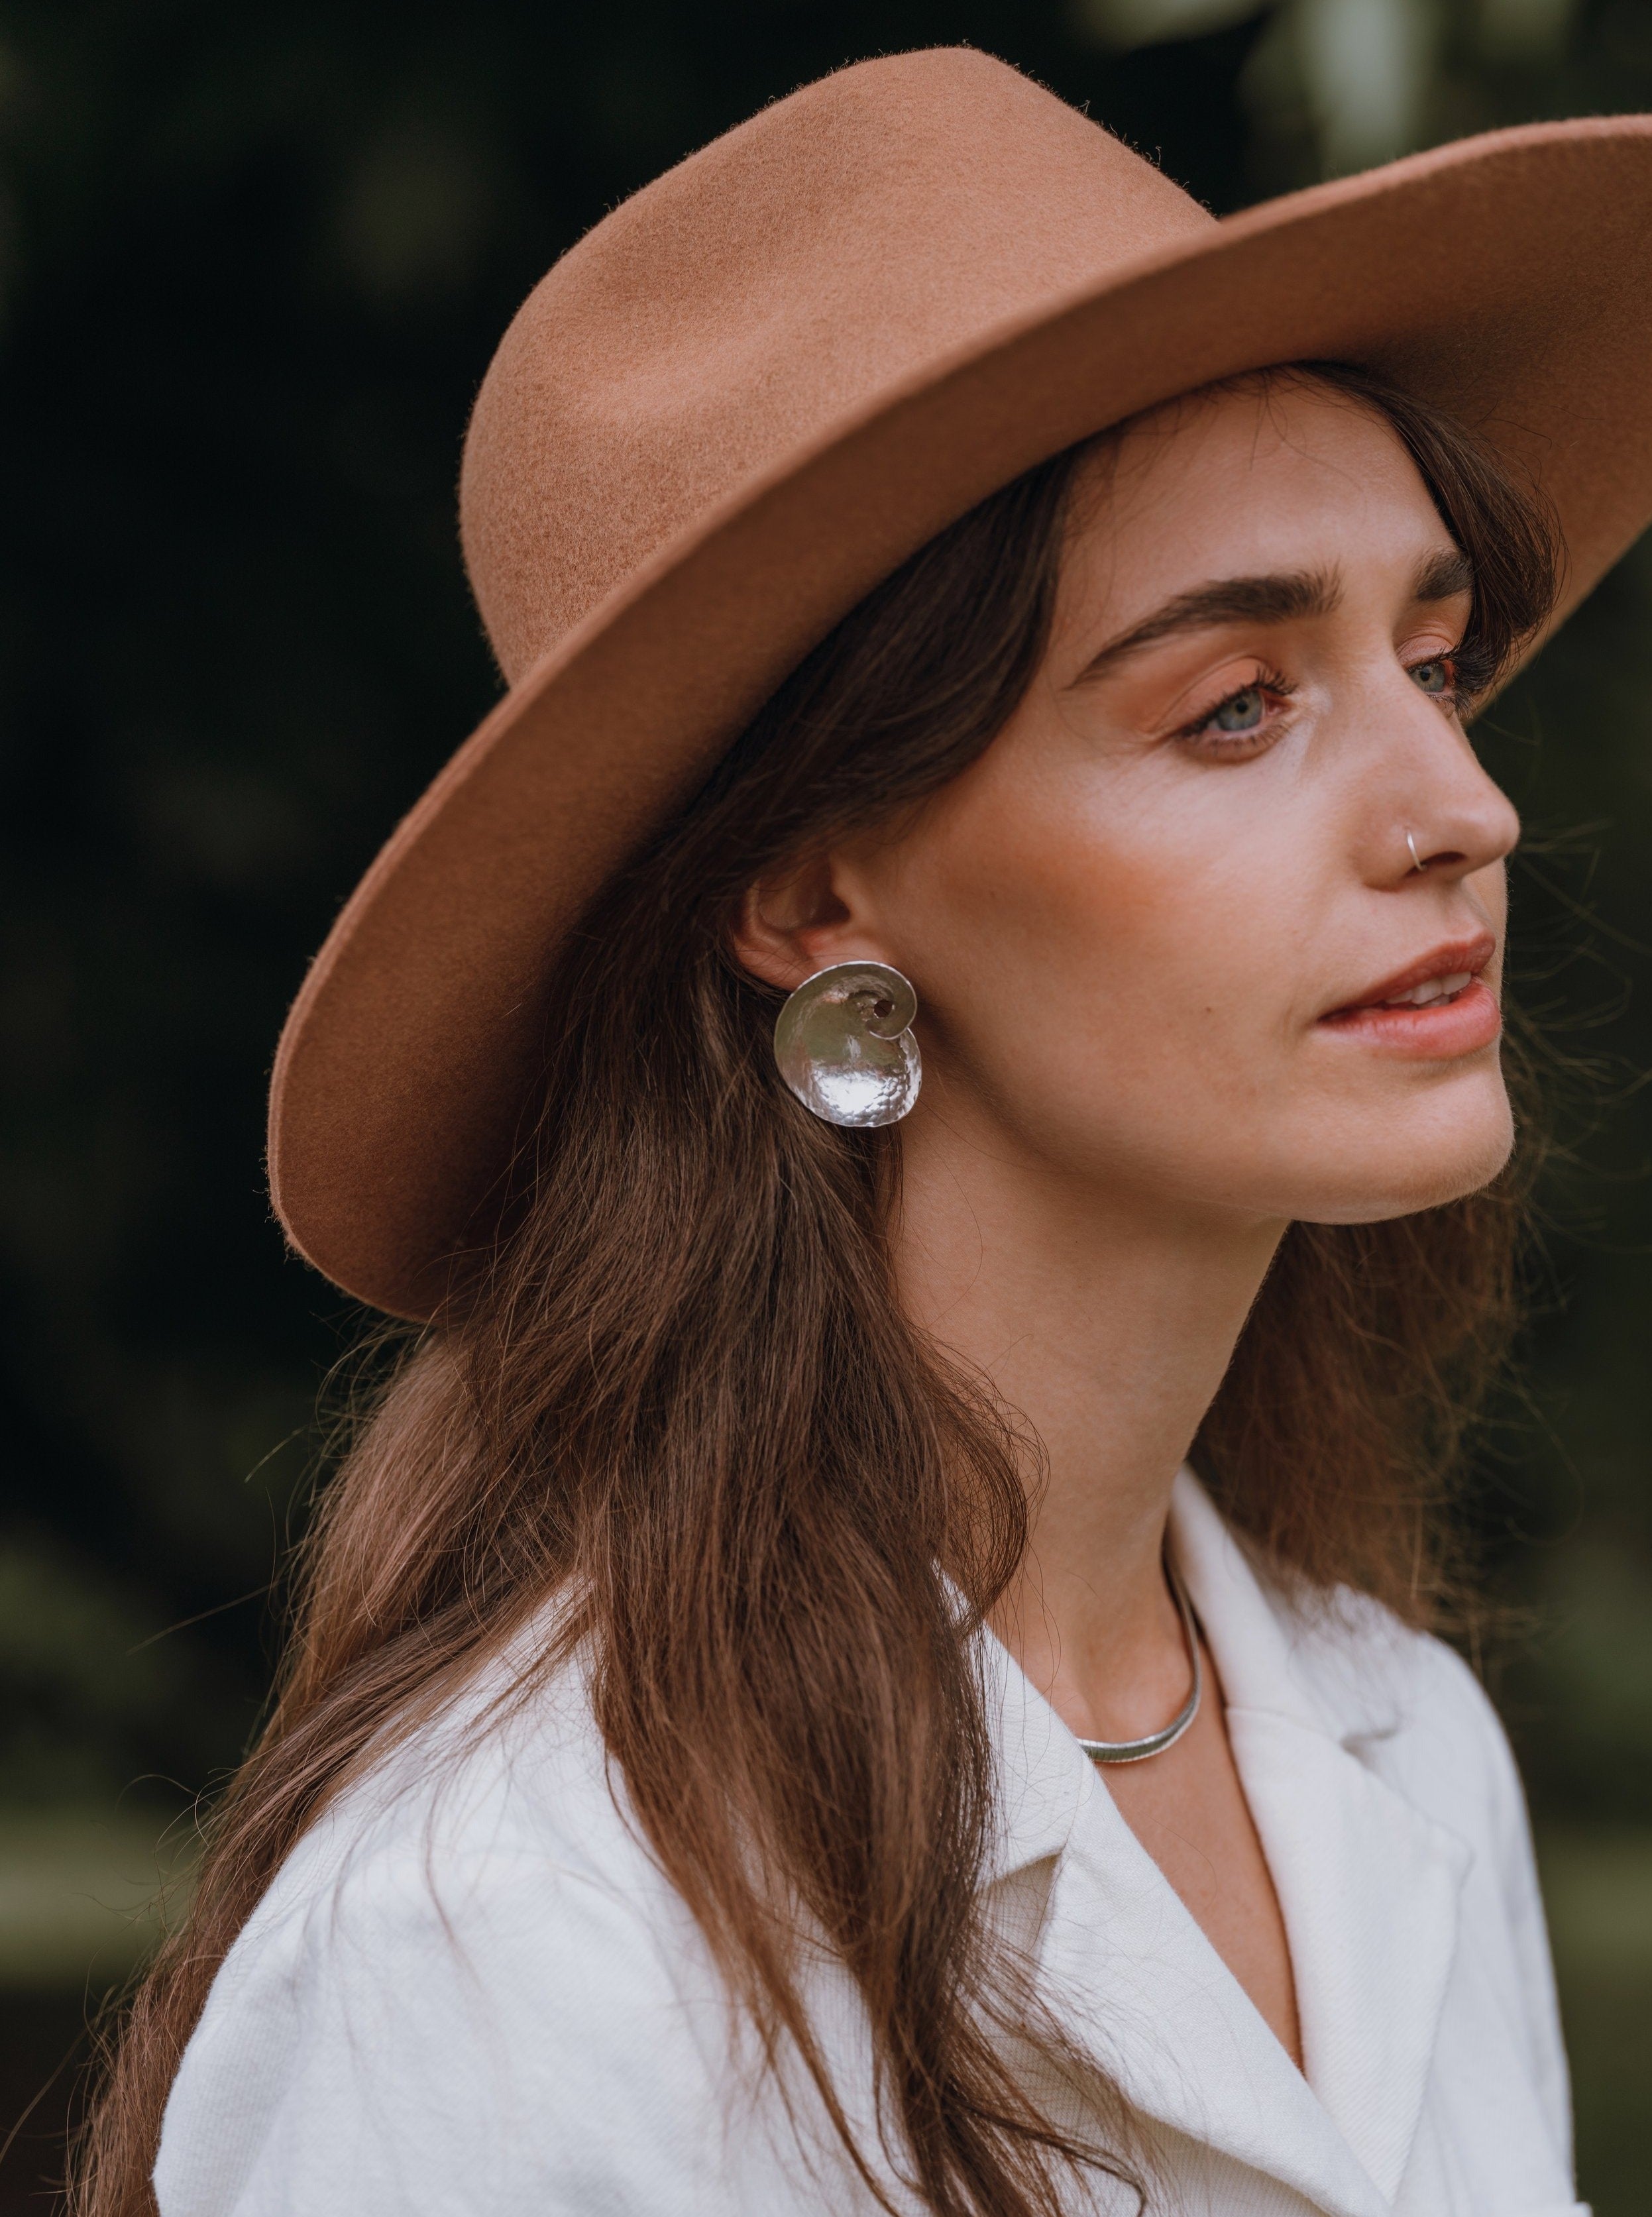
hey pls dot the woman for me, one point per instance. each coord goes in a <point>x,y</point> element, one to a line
<point>964,968</point>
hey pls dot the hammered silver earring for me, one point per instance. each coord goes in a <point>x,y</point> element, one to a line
<point>844,1046</point>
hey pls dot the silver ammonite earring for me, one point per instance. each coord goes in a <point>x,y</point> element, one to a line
<point>844,1046</point>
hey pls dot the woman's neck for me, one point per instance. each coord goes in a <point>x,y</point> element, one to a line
<point>1105,1322</point>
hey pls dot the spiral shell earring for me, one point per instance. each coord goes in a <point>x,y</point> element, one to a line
<point>844,1044</point>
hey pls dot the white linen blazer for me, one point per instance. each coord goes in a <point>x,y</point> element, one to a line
<point>470,1990</point>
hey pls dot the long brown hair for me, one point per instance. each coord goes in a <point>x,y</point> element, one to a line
<point>679,1392</point>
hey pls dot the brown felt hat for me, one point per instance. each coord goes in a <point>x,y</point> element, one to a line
<point>756,387</point>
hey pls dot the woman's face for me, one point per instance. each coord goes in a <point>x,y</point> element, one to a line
<point>1167,932</point>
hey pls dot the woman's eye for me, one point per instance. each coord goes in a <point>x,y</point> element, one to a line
<point>1438,677</point>
<point>1247,719</point>
<point>1241,712</point>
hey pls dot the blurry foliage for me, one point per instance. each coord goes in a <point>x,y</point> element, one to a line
<point>1335,85</point>
<point>1573,744</point>
<point>253,262</point>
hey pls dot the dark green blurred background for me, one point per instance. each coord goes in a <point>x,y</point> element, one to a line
<point>253,261</point>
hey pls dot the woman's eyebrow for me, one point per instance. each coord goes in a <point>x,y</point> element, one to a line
<point>1445,575</point>
<point>1283,597</point>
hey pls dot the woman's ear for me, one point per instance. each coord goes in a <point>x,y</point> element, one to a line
<point>797,920</point>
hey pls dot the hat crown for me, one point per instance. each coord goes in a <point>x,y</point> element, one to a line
<point>762,295</point>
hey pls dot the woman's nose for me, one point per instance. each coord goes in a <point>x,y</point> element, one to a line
<point>1447,818</point>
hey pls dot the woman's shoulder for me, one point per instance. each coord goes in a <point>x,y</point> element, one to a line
<point>1409,1706</point>
<point>506,1782</point>
<point>1362,1661</point>
<point>471,1950</point>
<point>1341,1662</point>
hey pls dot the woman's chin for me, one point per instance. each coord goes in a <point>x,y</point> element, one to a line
<point>1395,1180</point>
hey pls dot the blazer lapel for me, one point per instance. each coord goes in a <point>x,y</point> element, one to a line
<point>1368,1886</point>
<point>1132,1977</point>
<point>1369,1892</point>
<point>1137,1983</point>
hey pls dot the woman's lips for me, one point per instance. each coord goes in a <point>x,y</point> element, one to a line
<point>1438,1008</point>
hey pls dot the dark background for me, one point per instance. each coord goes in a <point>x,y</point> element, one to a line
<point>253,262</point>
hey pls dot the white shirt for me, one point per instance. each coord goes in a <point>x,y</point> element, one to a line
<point>469,1991</point>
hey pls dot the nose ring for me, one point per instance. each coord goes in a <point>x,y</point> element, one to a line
<point>1410,842</point>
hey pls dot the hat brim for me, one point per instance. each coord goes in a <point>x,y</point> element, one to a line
<point>1506,278</point>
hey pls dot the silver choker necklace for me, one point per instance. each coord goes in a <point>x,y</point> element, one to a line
<point>1138,1750</point>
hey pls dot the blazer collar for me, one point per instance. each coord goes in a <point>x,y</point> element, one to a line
<point>1368,1889</point>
